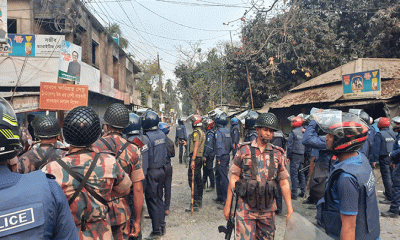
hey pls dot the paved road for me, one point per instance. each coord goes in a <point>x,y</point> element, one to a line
<point>203,224</point>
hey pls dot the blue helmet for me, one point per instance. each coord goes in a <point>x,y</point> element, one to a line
<point>221,119</point>
<point>234,121</point>
<point>135,124</point>
<point>250,120</point>
<point>164,127</point>
<point>150,121</point>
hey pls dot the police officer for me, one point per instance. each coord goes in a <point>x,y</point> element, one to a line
<point>180,138</point>
<point>383,145</point>
<point>295,152</point>
<point>235,134</point>
<point>350,208</point>
<point>127,154</point>
<point>196,149</point>
<point>88,178</point>
<point>222,149</point>
<point>395,165</point>
<point>252,174</point>
<point>30,203</point>
<point>209,155</point>
<point>48,149</point>
<point>155,177</point>
<point>249,122</point>
<point>366,149</point>
<point>164,127</point>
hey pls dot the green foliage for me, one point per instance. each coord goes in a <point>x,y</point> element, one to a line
<point>115,31</point>
<point>147,80</point>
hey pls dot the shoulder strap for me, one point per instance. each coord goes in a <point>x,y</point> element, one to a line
<point>109,147</point>
<point>271,167</point>
<point>83,181</point>
<point>122,149</point>
<point>253,163</point>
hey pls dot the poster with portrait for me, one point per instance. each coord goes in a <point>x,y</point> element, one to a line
<point>3,22</point>
<point>362,85</point>
<point>70,62</point>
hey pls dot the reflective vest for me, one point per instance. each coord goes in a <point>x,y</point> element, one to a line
<point>298,146</point>
<point>157,149</point>
<point>388,137</point>
<point>22,213</point>
<point>367,223</point>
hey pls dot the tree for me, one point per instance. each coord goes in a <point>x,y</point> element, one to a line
<point>147,80</point>
<point>115,31</point>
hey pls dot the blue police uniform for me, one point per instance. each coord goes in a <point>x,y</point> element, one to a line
<point>383,145</point>
<point>235,134</point>
<point>155,178</point>
<point>209,154</point>
<point>33,207</point>
<point>322,163</point>
<point>366,148</point>
<point>222,149</point>
<point>351,191</point>
<point>168,173</point>
<point>179,136</point>
<point>250,135</point>
<point>395,155</point>
<point>295,152</point>
<point>279,140</point>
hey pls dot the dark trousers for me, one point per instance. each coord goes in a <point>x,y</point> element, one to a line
<point>221,176</point>
<point>384,165</point>
<point>394,207</point>
<point>208,172</point>
<point>154,192</point>
<point>167,185</point>
<point>298,179</point>
<point>180,152</point>
<point>198,182</point>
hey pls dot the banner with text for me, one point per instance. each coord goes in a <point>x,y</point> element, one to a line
<point>58,96</point>
<point>70,62</point>
<point>362,85</point>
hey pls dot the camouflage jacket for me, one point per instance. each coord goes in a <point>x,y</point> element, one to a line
<point>31,160</point>
<point>25,138</point>
<point>130,160</point>
<point>107,179</point>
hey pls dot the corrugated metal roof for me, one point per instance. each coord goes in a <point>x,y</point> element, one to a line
<point>321,94</point>
<point>390,68</point>
<point>390,88</point>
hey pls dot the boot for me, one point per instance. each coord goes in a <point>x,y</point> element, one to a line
<point>390,214</point>
<point>154,235</point>
<point>189,209</point>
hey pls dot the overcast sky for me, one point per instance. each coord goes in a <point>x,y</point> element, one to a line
<point>153,26</point>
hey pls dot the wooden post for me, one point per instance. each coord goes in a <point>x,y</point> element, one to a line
<point>251,94</point>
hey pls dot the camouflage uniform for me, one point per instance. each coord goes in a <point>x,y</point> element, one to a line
<point>26,138</point>
<point>107,178</point>
<point>131,161</point>
<point>253,223</point>
<point>27,162</point>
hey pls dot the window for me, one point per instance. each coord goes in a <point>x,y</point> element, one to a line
<point>95,47</point>
<point>12,26</point>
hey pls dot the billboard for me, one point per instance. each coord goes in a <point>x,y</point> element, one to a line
<point>58,96</point>
<point>28,45</point>
<point>48,45</point>
<point>70,62</point>
<point>362,85</point>
<point>22,45</point>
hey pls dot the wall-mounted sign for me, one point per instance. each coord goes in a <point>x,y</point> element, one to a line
<point>70,62</point>
<point>362,85</point>
<point>57,96</point>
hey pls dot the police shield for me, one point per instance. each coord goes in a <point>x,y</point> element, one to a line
<point>300,228</point>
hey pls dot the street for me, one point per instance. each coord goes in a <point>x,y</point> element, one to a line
<point>204,224</point>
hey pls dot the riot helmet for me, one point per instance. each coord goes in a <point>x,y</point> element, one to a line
<point>150,121</point>
<point>361,114</point>
<point>221,119</point>
<point>234,121</point>
<point>46,127</point>
<point>250,119</point>
<point>164,127</point>
<point>209,124</point>
<point>297,122</point>
<point>384,122</point>
<point>349,131</point>
<point>10,145</point>
<point>196,121</point>
<point>81,127</point>
<point>135,124</point>
<point>180,121</point>
<point>268,120</point>
<point>117,115</point>
<point>396,123</point>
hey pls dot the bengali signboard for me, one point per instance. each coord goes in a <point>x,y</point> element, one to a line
<point>28,45</point>
<point>48,45</point>
<point>362,85</point>
<point>57,96</point>
<point>22,45</point>
<point>25,104</point>
<point>70,62</point>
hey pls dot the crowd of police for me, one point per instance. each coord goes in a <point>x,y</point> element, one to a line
<point>90,181</point>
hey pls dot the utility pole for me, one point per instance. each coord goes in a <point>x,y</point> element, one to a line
<point>160,85</point>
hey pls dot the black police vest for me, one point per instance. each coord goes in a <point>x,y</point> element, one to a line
<point>226,141</point>
<point>209,144</point>
<point>367,223</point>
<point>180,133</point>
<point>157,149</point>
<point>22,213</point>
<point>235,128</point>
<point>388,137</point>
<point>144,150</point>
<point>250,136</point>
<point>298,146</point>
